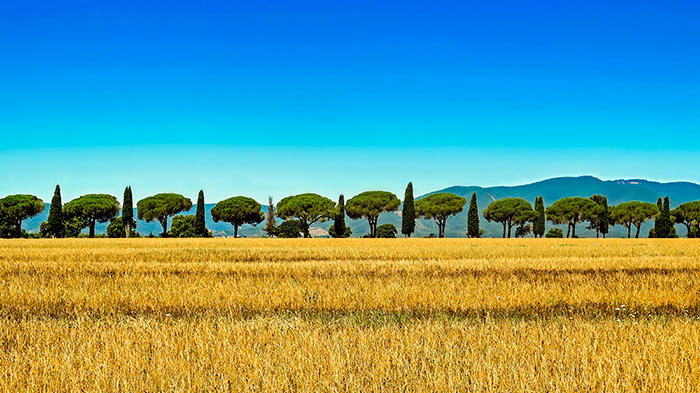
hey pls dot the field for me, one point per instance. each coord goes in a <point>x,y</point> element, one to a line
<point>269,315</point>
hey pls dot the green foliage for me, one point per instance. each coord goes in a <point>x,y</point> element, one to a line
<point>473,218</point>
<point>116,228</point>
<point>92,208</point>
<point>338,229</point>
<point>16,208</point>
<point>333,233</point>
<point>74,225</point>
<point>270,221</point>
<point>128,212</point>
<point>54,224</point>
<point>663,226</point>
<point>370,204</point>
<point>540,222</point>
<point>307,208</point>
<point>183,226</point>
<point>200,225</point>
<point>688,214</point>
<point>161,206</point>
<point>408,213</point>
<point>387,231</point>
<point>633,214</point>
<point>289,229</point>
<point>237,211</point>
<point>440,207</point>
<point>571,211</point>
<point>555,233</point>
<point>509,212</point>
<point>600,219</point>
<point>523,230</point>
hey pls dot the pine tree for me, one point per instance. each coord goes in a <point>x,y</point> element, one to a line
<point>408,214</point>
<point>270,223</point>
<point>127,211</point>
<point>339,221</point>
<point>200,223</point>
<point>54,224</point>
<point>540,222</point>
<point>473,218</point>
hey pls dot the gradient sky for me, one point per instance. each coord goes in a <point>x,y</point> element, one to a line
<point>279,97</point>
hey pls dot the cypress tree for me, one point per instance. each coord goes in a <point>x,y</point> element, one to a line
<point>663,224</point>
<point>473,218</point>
<point>200,224</point>
<point>270,223</point>
<point>604,220</point>
<point>540,221</point>
<point>54,224</point>
<point>408,214</point>
<point>127,211</point>
<point>339,220</point>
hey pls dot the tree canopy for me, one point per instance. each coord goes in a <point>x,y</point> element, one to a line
<point>288,229</point>
<point>408,212</point>
<point>16,208</point>
<point>600,220</point>
<point>440,207</point>
<point>571,211</point>
<point>539,224</point>
<point>688,214</point>
<point>161,206</point>
<point>116,228</point>
<point>307,208</point>
<point>633,213</point>
<point>92,208</point>
<point>183,226</point>
<point>338,229</point>
<point>509,212</point>
<point>237,211</point>
<point>370,204</point>
<point>473,229</point>
<point>387,231</point>
<point>55,226</point>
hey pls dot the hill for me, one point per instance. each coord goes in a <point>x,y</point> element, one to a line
<point>617,191</point>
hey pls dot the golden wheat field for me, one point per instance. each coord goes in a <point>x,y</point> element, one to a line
<point>349,315</point>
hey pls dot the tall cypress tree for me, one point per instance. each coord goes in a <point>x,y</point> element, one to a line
<point>663,224</point>
<point>339,220</point>
<point>604,220</point>
<point>54,224</point>
<point>200,224</point>
<point>127,211</point>
<point>473,218</point>
<point>539,225</point>
<point>270,222</point>
<point>408,214</point>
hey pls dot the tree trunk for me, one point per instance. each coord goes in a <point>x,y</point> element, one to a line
<point>597,233</point>
<point>372,221</point>
<point>568,230</point>
<point>573,229</point>
<point>235,230</point>
<point>639,228</point>
<point>18,229</point>
<point>629,231</point>
<point>689,234</point>
<point>305,229</point>
<point>127,229</point>
<point>92,227</point>
<point>441,228</point>
<point>504,229</point>
<point>164,223</point>
<point>510,228</point>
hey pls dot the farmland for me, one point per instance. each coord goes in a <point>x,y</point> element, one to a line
<point>349,315</point>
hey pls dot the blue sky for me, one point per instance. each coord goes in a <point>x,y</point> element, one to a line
<point>278,97</point>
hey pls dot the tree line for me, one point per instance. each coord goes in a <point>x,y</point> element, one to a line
<point>299,212</point>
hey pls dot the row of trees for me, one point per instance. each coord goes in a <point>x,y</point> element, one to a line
<point>300,212</point>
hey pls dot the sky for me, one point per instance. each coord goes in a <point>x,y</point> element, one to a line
<point>276,98</point>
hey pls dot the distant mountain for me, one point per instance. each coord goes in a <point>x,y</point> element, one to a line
<point>617,191</point>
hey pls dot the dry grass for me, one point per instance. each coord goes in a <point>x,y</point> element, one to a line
<point>350,315</point>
